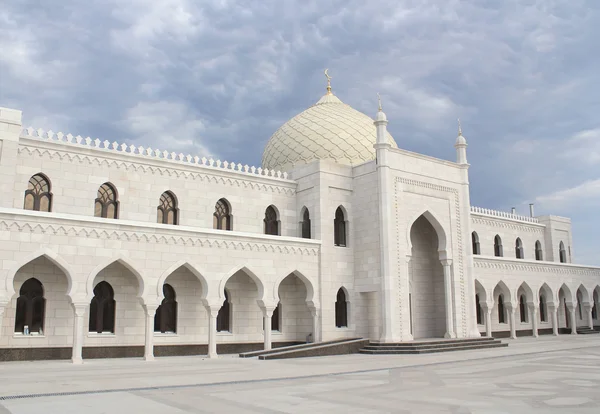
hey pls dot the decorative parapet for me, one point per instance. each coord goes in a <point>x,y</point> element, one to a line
<point>140,151</point>
<point>502,214</point>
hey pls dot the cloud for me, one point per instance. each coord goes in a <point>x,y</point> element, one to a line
<point>170,125</point>
<point>219,76</point>
<point>589,190</point>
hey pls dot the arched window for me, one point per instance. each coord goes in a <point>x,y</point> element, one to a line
<point>543,313</point>
<point>224,315</point>
<point>498,246</point>
<point>38,196</point>
<point>167,212</point>
<point>595,306</point>
<point>475,242</point>
<point>562,254</point>
<point>478,310</point>
<point>566,312</point>
<point>523,308</point>
<point>306,224</point>
<point>501,311</point>
<point>31,307</point>
<point>539,254</point>
<point>339,228</point>
<point>579,300</point>
<point>341,310</point>
<point>519,249</point>
<point>102,309</point>
<point>165,318</point>
<point>222,215</point>
<point>106,204</point>
<point>276,318</point>
<point>271,221</point>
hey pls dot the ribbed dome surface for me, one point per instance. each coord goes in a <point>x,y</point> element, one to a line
<point>328,130</point>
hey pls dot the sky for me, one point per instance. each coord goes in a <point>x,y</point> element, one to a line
<point>218,77</point>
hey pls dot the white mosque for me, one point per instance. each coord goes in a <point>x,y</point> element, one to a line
<point>110,250</point>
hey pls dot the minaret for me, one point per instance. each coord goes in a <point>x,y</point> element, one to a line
<point>389,331</point>
<point>461,147</point>
<point>381,124</point>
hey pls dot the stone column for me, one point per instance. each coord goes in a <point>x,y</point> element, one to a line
<point>488,321</point>
<point>448,299</point>
<point>2,307</point>
<point>315,322</point>
<point>212,312</point>
<point>533,311</point>
<point>554,315</point>
<point>150,310</point>
<point>513,327</point>
<point>79,309</point>
<point>573,319</point>
<point>588,311</point>
<point>267,314</point>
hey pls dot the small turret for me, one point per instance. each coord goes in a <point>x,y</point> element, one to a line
<point>381,124</point>
<point>461,147</point>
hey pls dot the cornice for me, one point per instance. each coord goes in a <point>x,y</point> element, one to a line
<point>153,233</point>
<point>535,266</point>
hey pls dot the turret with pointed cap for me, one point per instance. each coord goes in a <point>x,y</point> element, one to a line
<point>381,124</point>
<point>461,147</point>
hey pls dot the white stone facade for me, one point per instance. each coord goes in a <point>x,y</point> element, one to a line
<point>405,264</point>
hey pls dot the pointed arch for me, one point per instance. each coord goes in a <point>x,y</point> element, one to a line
<point>519,252</point>
<point>53,257</point>
<point>340,227</point>
<point>272,221</point>
<point>595,302</point>
<point>548,294</point>
<point>259,284</point>
<point>480,296</point>
<point>341,308</point>
<point>189,266</point>
<point>502,288</point>
<point>498,250</point>
<point>475,243</point>
<point>123,260</point>
<point>567,292</point>
<point>480,290</point>
<point>539,253</point>
<point>525,289</point>
<point>308,284</point>
<point>585,293</point>
<point>562,253</point>
<point>437,226</point>
<point>305,224</point>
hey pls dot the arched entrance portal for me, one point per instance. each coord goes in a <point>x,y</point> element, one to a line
<point>427,300</point>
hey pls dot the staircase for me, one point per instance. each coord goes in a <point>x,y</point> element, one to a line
<point>431,346</point>
<point>585,330</point>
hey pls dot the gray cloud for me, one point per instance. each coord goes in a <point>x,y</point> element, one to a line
<point>219,77</point>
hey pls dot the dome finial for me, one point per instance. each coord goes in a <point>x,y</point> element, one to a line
<point>459,128</point>
<point>328,82</point>
<point>379,101</point>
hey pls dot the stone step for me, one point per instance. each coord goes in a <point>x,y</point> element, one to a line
<point>432,350</point>
<point>292,348</point>
<point>435,342</point>
<point>430,346</point>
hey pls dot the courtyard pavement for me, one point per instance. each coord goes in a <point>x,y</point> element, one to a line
<point>547,375</point>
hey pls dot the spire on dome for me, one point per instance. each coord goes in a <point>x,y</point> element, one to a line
<point>328,82</point>
<point>459,128</point>
<point>379,101</point>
